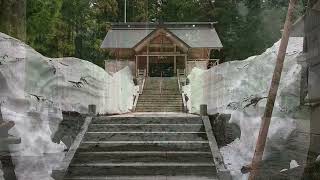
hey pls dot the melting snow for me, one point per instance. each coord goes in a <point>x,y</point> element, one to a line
<point>35,90</point>
<point>229,88</point>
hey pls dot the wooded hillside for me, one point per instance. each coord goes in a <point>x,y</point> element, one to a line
<point>60,28</point>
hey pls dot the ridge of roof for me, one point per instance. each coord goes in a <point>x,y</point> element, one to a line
<point>163,24</point>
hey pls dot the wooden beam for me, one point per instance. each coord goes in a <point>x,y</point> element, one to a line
<point>266,119</point>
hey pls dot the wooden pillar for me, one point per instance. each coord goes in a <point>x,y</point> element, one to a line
<point>175,64</point>
<point>148,60</point>
<point>266,119</point>
<point>148,65</point>
<point>175,60</point>
<point>185,64</point>
<point>136,66</point>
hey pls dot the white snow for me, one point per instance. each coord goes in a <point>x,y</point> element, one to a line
<point>229,87</point>
<point>293,164</point>
<point>63,84</point>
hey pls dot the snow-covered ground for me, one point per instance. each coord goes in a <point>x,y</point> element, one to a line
<point>34,90</point>
<point>230,87</point>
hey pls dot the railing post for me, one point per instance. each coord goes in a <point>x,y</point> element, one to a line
<point>203,110</point>
<point>92,109</point>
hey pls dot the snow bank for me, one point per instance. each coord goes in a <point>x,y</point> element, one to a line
<point>34,90</point>
<point>231,87</point>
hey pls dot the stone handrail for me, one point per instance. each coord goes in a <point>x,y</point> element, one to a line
<point>60,172</point>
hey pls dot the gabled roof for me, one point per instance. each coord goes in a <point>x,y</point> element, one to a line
<point>124,38</point>
<point>199,38</point>
<point>195,35</point>
<point>169,35</point>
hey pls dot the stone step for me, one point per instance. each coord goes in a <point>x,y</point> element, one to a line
<point>147,120</point>
<point>146,127</point>
<point>163,103</point>
<point>145,136</point>
<point>143,157</point>
<point>162,93</point>
<point>157,87</point>
<point>89,146</point>
<point>133,177</point>
<point>156,109</point>
<point>157,94</point>
<point>159,105</point>
<point>142,169</point>
<point>161,98</point>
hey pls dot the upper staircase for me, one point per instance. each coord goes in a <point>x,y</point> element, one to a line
<point>160,95</point>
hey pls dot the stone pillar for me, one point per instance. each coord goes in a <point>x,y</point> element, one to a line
<point>92,109</point>
<point>203,110</point>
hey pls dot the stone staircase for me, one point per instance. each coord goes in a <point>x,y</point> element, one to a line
<point>143,148</point>
<point>168,99</point>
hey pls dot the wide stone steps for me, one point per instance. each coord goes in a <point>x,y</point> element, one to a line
<point>145,136</point>
<point>145,169</point>
<point>143,157</point>
<point>142,178</point>
<point>143,148</point>
<point>146,127</point>
<point>88,146</point>
<point>147,120</point>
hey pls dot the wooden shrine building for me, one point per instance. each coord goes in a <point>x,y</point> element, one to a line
<point>161,49</point>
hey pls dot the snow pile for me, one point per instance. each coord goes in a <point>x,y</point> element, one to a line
<point>34,90</point>
<point>239,88</point>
